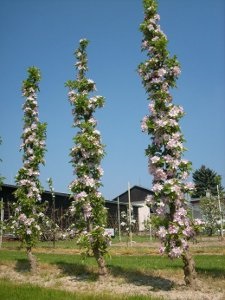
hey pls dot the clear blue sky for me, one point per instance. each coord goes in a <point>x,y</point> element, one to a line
<point>45,33</point>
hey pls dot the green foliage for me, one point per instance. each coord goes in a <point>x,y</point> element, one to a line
<point>210,213</point>
<point>12,291</point>
<point>28,214</point>
<point>206,180</point>
<point>170,171</point>
<point>34,76</point>
<point>87,207</point>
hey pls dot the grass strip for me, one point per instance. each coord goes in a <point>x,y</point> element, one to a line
<point>12,291</point>
<point>213,265</point>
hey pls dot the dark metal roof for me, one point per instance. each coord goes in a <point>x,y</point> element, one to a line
<point>137,193</point>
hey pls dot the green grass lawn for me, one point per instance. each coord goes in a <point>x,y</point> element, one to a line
<point>213,265</point>
<point>137,264</point>
<point>71,244</point>
<point>12,291</point>
<point>130,267</point>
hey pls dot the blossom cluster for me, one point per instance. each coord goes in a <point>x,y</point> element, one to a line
<point>88,204</point>
<point>170,171</point>
<point>28,211</point>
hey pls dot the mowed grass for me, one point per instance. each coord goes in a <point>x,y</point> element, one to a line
<point>212,265</point>
<point>133,268</point>
<point>12,291</point>
<point>71,244</point>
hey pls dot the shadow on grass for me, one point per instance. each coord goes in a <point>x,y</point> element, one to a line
<point>138,278</point>
<point>22,265</point>
<point>81,271</point>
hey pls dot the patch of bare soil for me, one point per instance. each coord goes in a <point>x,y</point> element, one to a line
<point>168,285</point>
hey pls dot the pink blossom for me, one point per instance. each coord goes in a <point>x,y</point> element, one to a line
<point>188,231</point>
<point>190,186</point>
<point>22,217</point>
<point>157,17</point>
<point>160,174</point>
<point>184,244</point>
<point>144,45</point>
<point>176,71</point>
<point>87,210</point>
<point>198,222</point>
<point>155,159</point>
<point>175,252</point>
<point>173,229</point>
<point>161,123</point>
<point>161,210</point>
<point>162,250</point>
<point>161,72</point>
<point>150,27</point>
<point>184,175</point>
<point>157,187</point>
<point>162,232</point>
<point>155,38</point>
<point>156,80</point>
<point>144,126</point>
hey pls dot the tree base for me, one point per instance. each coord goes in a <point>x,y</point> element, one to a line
<point>189,269</point>
<point>32,261</point>
<point>102,269</point>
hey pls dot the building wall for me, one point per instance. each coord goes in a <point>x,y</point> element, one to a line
<point>143,215</point>
<point>63,201</point>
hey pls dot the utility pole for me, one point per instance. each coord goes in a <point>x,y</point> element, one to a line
<point>118,212</point>
<point>150,225</point>
<point>129,211</point>
<point>221,214</point>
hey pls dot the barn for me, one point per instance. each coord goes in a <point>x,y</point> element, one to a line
<point>61,203</point>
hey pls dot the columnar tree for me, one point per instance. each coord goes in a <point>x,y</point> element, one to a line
<point>170,171</point>
<point>28,209</point>
<point>87,206</point>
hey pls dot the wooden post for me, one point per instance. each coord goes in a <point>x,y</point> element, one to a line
<point>221,215</point>
<point>129,212</point>
<point>150,225</point>
<point>54,224</point>
<point>1,222</point>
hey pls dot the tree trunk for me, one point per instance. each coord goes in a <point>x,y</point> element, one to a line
<point>101,262</point>
<point>32,260</point>
<point>189,269</point>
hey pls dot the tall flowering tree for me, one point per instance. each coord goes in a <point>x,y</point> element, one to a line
<point>170,171</point>
<point>88,206</point>
<point>28,209</point>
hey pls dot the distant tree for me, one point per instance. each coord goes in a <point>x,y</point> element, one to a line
<point>210,213</point>
<point>128,223</point>
<point>206,180</point>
